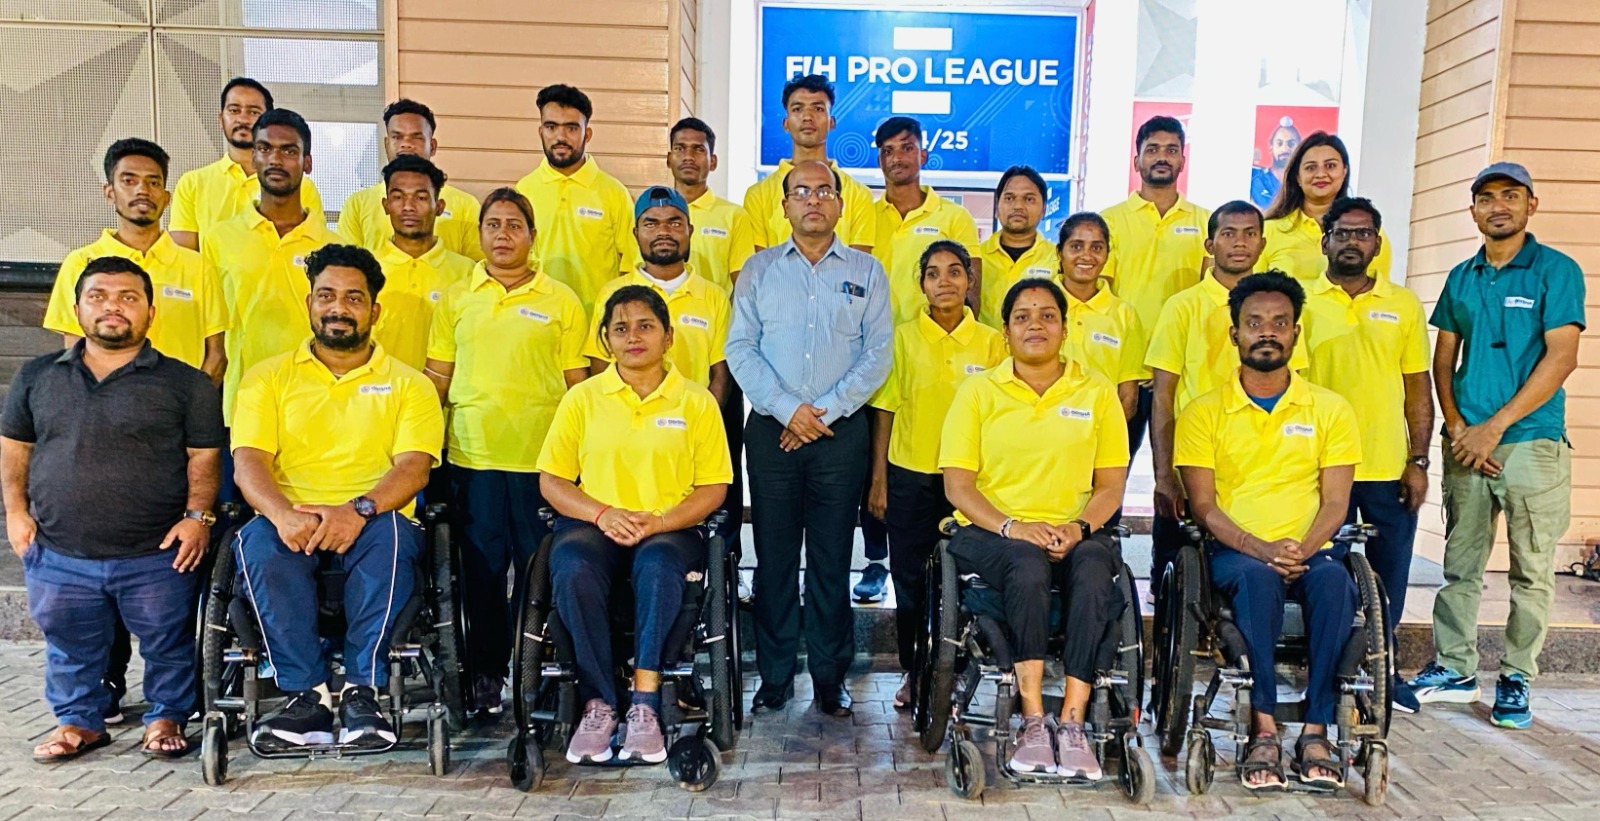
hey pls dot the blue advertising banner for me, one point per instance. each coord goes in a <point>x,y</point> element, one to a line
<point>991,90</point>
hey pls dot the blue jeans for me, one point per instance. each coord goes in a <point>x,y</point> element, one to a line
<point>1379,505</point>
<point>76,601</point>
<point>584,563</point>
<point>1328,595</point>
<point>498,514</point>
<point>380,571</point>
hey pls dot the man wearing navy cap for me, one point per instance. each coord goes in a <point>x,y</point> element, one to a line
<point>1508,320</point>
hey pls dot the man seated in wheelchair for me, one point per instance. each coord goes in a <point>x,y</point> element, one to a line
<point>1268,460</point>
<point>649,447</point>
<point>332,442</point>
<point>1034,453</point>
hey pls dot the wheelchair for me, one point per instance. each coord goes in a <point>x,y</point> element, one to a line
<point>963,643</point>
<point>1199,624</point>
<point>425,669</point>
<point>701,690</point>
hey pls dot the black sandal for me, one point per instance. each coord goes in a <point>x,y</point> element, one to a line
<point>1303,764</point>
<point>1250,765</point>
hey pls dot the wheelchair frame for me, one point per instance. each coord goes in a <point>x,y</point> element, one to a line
<point>544,680</point>
<point>429,646</point>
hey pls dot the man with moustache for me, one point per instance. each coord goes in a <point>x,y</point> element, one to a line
<point>417,267</point>
<point>333,439</point>
<point>1016,251</point>
<point>408,128</point>
<point>215,193</point>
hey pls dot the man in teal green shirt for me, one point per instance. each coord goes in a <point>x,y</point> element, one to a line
<point>1508,320</point>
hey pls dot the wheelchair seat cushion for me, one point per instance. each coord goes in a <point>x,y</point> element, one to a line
<point>1294,619</point>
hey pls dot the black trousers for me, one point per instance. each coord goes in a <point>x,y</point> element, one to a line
<point>1022,573</point>
<point>733,504</point>
<point>808,497</point>
<point>916,506</point>
<point>1136,429</point>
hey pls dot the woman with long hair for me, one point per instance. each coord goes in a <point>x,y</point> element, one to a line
<point>1318,174</point>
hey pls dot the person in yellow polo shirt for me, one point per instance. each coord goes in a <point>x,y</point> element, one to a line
<point>332,443</point>
<point>364,218</point>
<point>1037,414</point>
<point>1017,251</point>
<point>723,237</point>
<point>585,216</point>
<point>215,193</point>
<point>1318,174</point>
<point>807,119</point>
<point>260,255</point>
<point>1103,332</point>
<point>634,462</point>
<point>1268,459</point>
<point>191,315</point>
<point>417,266</point>
<point>933,353</point>
<point>505,345</point>
<point>910,216</point>
<point>1368,341</point>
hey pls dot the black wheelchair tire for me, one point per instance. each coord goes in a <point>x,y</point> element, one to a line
<point>941,684</point>
<point>1181,587</point>
<point>214,752</point>
<point>527,654</point>
<point>1375,704</point>
<point>214,636</point>
<point>449,672</point>
<point>1132,637</point>
<point>724,665</point>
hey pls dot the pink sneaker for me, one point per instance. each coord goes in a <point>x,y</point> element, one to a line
<point>591,741</point>
<point>644,742</point>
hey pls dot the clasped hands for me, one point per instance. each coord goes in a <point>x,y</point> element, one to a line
<point>309,528</point>
<point>804,427</point>
<point>1055,540</point>
<point>1287,557</point>
<point>630,527</point>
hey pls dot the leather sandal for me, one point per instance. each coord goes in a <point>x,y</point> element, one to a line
<point>160,730</point>
<point>73,741</point>
<point>1252,765</point>
<point>1304,764</point>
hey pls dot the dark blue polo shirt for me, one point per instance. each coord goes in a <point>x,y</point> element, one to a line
<point>1501,316</point>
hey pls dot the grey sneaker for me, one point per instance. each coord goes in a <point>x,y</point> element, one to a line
<point>1074,755</point>
<point>1033,753</point>
<point>644,741</point>
<point>591,741</point>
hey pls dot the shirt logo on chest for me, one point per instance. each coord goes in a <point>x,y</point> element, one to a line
<point>299,261</point>
<point>444,215</point>
<point>1036,271</point>
<point>1383,316</point>
<point>433,296</point>
<point>1519,302</point>
<point>591,213</point>
<point>1106,339</point>
<point>377,390</point>
<point>1186,230</point>
<point>694,321</point>
<point>533,315</point>
<point>1076,413</point>
<point>171,292</point>
<point>974,368</point>
<point>1299,430</point>
<point>674,422</point>
<point>926,231</point>
<point>719,233</point>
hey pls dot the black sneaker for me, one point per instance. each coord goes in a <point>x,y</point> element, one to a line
<point>302,721</point>
<point>113,711</point>
<point>486,694</point>
<point>361,722</point>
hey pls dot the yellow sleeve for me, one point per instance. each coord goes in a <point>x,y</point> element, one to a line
<point>741,239</point>
<point>997,349</point>
<point>721,319</point>
<point>887,397</point>
<point>421,428</point>
<point>1110,271</point>
<point>1299,360</point>
<point>350,222</point>
<point>1414,357</point>
<point>59,316</point>
<point>182,217</point>
<point>1194,441</point>
<point>959,445</point>
<point>712,463</point>
<point>1165,348</point>
<point>862,222</point>
<point>1134,343</point>
<point>559,454</point>
<point>442,331</point>
<point>964,230</point>
<point>591,343</point>
<point>311,200</point>
<point>755,208</point>
<point>213,307</point>
<point>569,350</point>
<point>1111,431</point>
<point>470,244</point>
<point>1341,444</point>
<point>1385,259</point>
<point>628,255</point>
<point>255,411</point>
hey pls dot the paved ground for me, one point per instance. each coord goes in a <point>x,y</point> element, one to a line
<point>1448,764</point>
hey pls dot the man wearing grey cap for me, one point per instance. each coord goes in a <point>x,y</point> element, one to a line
<point>1508,320</point>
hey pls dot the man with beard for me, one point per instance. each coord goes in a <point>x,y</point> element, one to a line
<point>215,193</point>
<point>260,255</point>
<point>1508,320</point>
<point>1368,342</point>
<point>1017,251</point>
<point>723,237</point>
<point>1268,459</point>
<point>417,267</point>
<point>1265,181</point>
<point>364,218</point>
<point>332,442</point>
<point>584,215</point>
<point>119,537</point>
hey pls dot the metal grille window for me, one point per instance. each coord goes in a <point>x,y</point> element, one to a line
<point>75,75</point>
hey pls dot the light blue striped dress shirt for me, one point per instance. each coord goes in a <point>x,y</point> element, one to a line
<point>810,333</point>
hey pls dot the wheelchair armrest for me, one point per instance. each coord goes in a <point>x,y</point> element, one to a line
<point>1192,531</point>
<point>716,519</point>
<point>434,512</point>
<point>233,512</point>
<point>547,514</point>
<point>1354,534</point>
<point>948,526</point>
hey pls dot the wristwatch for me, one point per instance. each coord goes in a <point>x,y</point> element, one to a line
<point>1083,528</point>
<point>365,507</point>
<point>1420,461</point>
<point>204,517</point>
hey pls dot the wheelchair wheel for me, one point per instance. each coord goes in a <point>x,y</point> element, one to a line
<point>1180,586</point>
<point>214,633</point>
<point>214,751</point>
<point>944,615</point>
<point>530,639</point>
<point>1199,771</point>
<point>694,763</point>
<point>921,648</point>
<point>1375,774</point>
<point>449,673</point>
<point>526,760</point>
<point>724,664</point>
<point>1138,774</point>
<point>963,770</point>
<point>1130,647</point>
<point>439,744</point>
<point>1374,705</point>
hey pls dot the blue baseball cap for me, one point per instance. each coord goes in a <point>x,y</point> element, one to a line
<point>657,195</point>
<point>1504,171</point>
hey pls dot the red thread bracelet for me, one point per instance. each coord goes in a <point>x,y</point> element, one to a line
<point>601,513</point>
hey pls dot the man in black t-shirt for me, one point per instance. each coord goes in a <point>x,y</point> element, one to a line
<point>109,460</point>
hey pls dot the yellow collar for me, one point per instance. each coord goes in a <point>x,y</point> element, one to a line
<point>376,364</point>
<point>538,284</point>
<point>392,255</point>
<point>584,176</point>
<point>1298,393</point>
<point>933,333</point>
<point>610,382</point>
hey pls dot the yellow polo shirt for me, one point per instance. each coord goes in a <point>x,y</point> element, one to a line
<point>264,282</point>
<point>900,242</point>
<point>188,300</point>
<point>333,437</point>
<point>363,222</point>
<point>1191,340</point>
<point>1153,256</point>
<point>215,193</point>
<point>1294,246</point>
<point>929,365</point>
<point>1105,334</point>
<point>412,287</point>
<point>764,203</point>
<point>1000,273</point>
<point>585,225</point>
<point>1361,349</point>
<point>1035,456</point>
<point>700,313</point>
<point>722,239</point>
<point>1268,465</point>
<point>638,454</point>
<point>510,351</point>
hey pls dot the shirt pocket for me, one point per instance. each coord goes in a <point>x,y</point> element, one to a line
<point>843,314</point>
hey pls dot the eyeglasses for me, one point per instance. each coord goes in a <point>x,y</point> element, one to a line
<point>801,193</point>
<point>1347,234</point>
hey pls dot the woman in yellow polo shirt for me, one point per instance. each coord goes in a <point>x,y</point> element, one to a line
<point>933,353</point>
<point>1103,331</point>
<point>1035,457</point>
<point>1318,174</point>
<point>649,446</point>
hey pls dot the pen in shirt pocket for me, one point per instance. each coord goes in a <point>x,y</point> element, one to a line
<point>850,289</point>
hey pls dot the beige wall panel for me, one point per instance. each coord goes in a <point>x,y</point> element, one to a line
<point>1480,40</point>
<point>1460,137</point>
<point>1440,8</point>
<point>1522,132</point>
<point>506,167</point>
<point>1532,101</point>
<point>1460,20</point>
<point>1436,172</point>
<point>523,135</point>
<point>450,102</point>
<point>1458,79</point>
<point>1571,166</point>
<point>1451,111</point>
<point>1562,71</point>
<point>1558,11</point>
<point>480,38</point>
<point>1554,38</point>
<point>588,13</point>
<point>533,71</point>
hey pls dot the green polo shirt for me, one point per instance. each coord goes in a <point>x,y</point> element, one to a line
<point>1501,316</point>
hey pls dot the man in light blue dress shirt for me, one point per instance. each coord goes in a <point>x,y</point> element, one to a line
<point>809,344</point>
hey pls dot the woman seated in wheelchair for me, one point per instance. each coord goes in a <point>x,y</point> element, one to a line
<point>1268,460</point>
<point>1034,454</point>
<point>649,447</point>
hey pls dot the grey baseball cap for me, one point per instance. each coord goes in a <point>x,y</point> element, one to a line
<point>1504,171</point>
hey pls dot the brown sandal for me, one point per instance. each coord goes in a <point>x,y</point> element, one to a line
<point>75,741</point>
<point>160,730</point>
